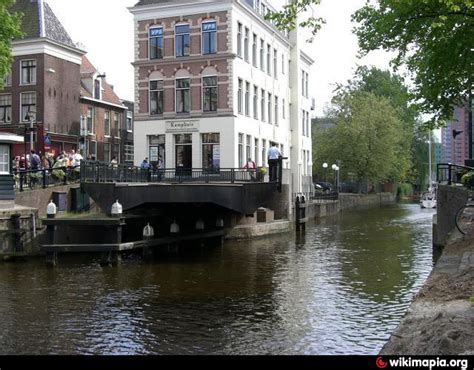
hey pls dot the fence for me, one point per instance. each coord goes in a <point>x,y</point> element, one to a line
<point>100,172</point>
<point>448,174</point>
<point>32,179</point>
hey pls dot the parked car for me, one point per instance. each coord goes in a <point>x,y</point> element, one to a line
<point>325,186</point>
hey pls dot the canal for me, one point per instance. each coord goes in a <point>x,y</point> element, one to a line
<point>341,289</point>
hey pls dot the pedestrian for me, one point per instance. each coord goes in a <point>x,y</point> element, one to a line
<point>145,164</point>
<point>274,156</point>
<point>114,162</point>
<point>251,167</point>
<point>35,160</point>
<point>160,166</point>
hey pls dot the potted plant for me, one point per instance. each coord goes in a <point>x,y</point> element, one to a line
<point>261,172</point>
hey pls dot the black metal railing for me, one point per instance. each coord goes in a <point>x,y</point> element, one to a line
<point>101,172</point>
<point>44,178</point>
<point>449,174</point>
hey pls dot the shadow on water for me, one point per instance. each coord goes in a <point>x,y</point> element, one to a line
<point>339,289</point>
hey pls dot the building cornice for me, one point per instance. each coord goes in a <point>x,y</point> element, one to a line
<point>97,101</point>
<point>306,58</point>
<point>47,46</point>
<point>184,60</point>
<point>159,11</point>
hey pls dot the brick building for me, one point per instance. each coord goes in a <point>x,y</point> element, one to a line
<point>43,88</point>
<point>215,84</point>
<point>102,116</point>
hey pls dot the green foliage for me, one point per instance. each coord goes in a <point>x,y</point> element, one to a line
<point>404,190</point>
<point>468,180</point>
<point>366,138</point>
<point>9,29</point>
<point>287,18</point>
<point>433,39</point>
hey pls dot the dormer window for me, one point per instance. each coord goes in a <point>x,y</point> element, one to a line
<point>97,89</point>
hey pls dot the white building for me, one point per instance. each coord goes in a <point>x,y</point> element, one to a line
<point>215,84</point>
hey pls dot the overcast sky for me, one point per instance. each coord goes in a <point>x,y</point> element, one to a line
<point>105,28</point>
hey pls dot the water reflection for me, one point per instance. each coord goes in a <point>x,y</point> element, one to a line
<point>342,288</point>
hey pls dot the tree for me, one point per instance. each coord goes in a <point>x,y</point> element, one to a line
<point>9,29</point>
<point>433,39</point>
<point>365,138</point>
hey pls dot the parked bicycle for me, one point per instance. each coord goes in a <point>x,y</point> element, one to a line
<point>464,218</point>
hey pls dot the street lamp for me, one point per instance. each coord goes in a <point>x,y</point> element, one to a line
<point>336,169</point>
<point>31,118</point>
<point>325,166</point>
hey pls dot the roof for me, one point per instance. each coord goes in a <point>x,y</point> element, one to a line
<point>88,71</point>
<point>39,21</point>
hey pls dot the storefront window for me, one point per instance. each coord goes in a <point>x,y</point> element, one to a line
<point>211,151</point>
<point>4,159</point>
<point>156,149</point>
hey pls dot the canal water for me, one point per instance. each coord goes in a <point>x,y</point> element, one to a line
<point>342,289</point>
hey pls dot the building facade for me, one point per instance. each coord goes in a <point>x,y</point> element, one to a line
<point>43,88</point>
<point>102,116</point>
<point>456,150</point>
<point>216,84</point>
<point>127,133</point>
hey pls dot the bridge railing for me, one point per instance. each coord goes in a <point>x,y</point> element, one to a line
<point>101,172</point>
<point>44,178</point>
<point>449,174</point>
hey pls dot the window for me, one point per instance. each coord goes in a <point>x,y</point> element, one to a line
<point>209,85</point>
<point>246,45</point>
<point>269,108</point>
<point>283,63</point>
<point>116,125</point>
<point>256,151</point>
<point>264,151</point>
<point>7,80</point>
<point>92,149</point>
<point>247,98</point>
<point>90,121</point>
<point>107,152</point>
<point>239,97</point>
<point>211,151</point>
<point>304,83</point>
<point>303,77</point>
<point>262,106</point>
<point>128,153</point>
<point>116,152</point>
<point>283,109</point>
<point>107,123</point>
<point>304,123</point>
<point>248,147</point>
<point>269,60</point>
<point>275,65</point>
<point>182,40</point>
<point>276,110</point>
<point>262,55</point>
<point>28,104</point>
<point>209,37</point>
<point>255,102</point>
<point>5,108</point>
<point>156,97</point>
<point>4,159</point>
<point>241,150</point>
<point>97,89</point>
<point>307,85</point>
<point>182,95</point>
<point>156,43</point>
<point>307,125</point>
<point>239,39</point>
<point>129,121</point>
<point>156,148</point>
<point>28,72</point>
<point>254,50</point>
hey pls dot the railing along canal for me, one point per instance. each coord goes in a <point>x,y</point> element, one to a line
<point>449,174</point>
<point>100,172</point>
<point>43,178</point>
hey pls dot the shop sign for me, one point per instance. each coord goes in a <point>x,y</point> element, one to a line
<point>181,126</point>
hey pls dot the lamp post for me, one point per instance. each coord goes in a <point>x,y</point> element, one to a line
<point>31,120</point>
<point>336,169</point>
<point>325,166</point>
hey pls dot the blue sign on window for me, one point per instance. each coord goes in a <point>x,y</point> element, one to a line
<point>47,140</point>
<point>210,26</point>
<point>156,32</point>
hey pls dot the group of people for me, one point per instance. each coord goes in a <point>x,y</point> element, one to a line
<point>40,161</point>
<point>273,156</point>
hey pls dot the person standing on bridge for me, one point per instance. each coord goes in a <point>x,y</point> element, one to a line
<point>251,167</point>
<point>274,156</point>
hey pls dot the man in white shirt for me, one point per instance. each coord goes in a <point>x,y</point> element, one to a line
<point>76,159</point>
<point>274,155</point>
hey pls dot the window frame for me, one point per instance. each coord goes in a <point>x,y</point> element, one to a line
<point>205,33</point>
<point>183,91</point>
<point>22,118</point>
<point>183,36</point>
<point>156,47</point>
<point>6,110</point>
<point>34,74</point>
<point>160,93</point>
<point>216,94</point>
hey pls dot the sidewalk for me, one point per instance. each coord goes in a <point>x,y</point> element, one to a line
<point>440,320</point>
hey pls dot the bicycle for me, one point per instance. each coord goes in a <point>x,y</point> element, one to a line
<point>462,220</point>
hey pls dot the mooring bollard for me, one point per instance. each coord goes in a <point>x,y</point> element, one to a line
<point>51,257</point>
<point>148,234</point>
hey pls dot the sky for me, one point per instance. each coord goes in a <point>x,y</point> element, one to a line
<point>105,28</point>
